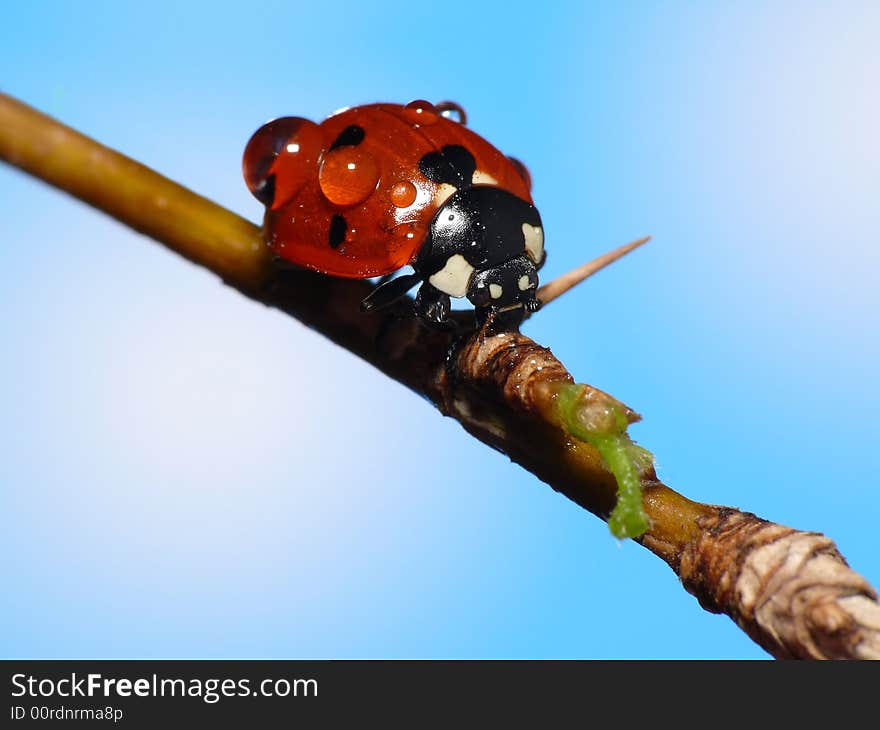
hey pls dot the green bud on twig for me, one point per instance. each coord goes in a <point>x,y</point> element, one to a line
<point>600,420</point>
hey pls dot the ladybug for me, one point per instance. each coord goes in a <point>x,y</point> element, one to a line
<point>375,188</point>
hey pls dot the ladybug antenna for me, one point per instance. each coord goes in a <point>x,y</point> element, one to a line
<point>556,288</point>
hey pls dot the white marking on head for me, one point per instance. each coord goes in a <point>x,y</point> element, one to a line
<point>444,192</point>
<point>534,242</point>
<point>483,178</point>
<point>453,279</point>
<point>524,282</point>
<point>495,291</point>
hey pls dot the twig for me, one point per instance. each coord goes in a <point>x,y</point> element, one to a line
<point>790,591</point>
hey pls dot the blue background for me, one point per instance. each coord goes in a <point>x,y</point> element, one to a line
<point>187,474</point>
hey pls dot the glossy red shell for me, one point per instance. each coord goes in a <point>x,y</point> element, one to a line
<point>375,185</point>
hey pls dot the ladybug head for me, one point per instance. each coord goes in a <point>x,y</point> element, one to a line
<point>280,158</point>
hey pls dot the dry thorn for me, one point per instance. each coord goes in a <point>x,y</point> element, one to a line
<point>556,288</point>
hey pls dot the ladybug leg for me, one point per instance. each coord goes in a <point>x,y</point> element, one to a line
<point>387,292</point>
<point>433,306</point>
<point>499,320</point>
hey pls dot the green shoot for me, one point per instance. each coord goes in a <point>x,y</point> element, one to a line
<point>599,420</point>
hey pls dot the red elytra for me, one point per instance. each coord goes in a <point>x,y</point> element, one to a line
<point>346,197</point>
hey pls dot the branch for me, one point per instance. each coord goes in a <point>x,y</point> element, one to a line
<point>790,591</point>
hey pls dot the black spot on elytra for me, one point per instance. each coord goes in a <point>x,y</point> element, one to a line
<point>453,165</point>
<point>350,136</point>
<point>338,227</point>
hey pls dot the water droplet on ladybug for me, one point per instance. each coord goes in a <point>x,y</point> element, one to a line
<point>421,112</point>
<point>280,158</point>
<point>522,170</point>
<point>453,111</point>
<point>348,176</point>
<point>403,194</point>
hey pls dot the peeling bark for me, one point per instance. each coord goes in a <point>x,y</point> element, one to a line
<point>791,591</point>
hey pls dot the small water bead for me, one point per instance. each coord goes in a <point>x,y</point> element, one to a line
<point>403,194</point>
<point>348,176</point>
<point>522,170</point>
<point>421,112</point>
<point>453,111</point>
